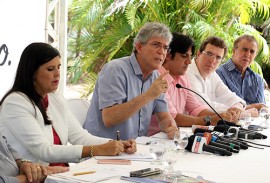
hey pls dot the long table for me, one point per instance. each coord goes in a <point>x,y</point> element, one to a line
<point>249,165</point>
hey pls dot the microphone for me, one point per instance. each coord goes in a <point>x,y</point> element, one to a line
<point>242,145</point>
<point>219,128</point>
<point>194,127</point>
<point>211,141</point>
<point>234,143</point>
<point>222,129</point>
<point>246,134</point>
<point>236,133</point>
<point>255,132</point>
<point>198,145</point>
<point>223,121</point>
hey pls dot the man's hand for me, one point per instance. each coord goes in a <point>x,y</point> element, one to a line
<point>169,127</point>
<point>226,116</point>
<point>170,131</point>
<point>256,105</point>
<point>253,112</point>
<point>235,113</point>
<point>159,86</point>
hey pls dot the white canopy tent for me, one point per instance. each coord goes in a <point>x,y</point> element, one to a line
<point>57,30</point>
<point>24,22</point>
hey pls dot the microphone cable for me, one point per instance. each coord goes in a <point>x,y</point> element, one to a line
<point>264,145</point>
<point>180,86</point>
<point>254,146</point>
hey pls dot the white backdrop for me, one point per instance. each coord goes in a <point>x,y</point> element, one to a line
<point>21,23</point>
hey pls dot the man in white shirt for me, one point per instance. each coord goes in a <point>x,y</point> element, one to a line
<point>205,81</point>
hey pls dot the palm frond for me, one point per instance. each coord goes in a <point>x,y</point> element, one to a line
<point>101,30</point>
<point>200,4</point>
<point>263,9</point>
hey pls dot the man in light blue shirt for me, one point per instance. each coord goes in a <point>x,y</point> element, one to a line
<point>237,75</point>
<point>129,89</point>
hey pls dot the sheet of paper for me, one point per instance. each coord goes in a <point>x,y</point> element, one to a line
<point>147,140</point>
<point>143,140</point>
<point>160,135</point>
<point>99,175</point>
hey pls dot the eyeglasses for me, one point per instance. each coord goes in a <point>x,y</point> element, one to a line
<point>252,52</point>
<point>158,45</point>
<point>212,55</point>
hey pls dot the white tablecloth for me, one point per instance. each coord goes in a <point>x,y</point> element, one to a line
<point>249,165</point>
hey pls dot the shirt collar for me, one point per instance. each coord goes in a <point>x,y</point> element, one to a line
<point>136,67</point>
<point>231,66</point>
<point>197,73</point>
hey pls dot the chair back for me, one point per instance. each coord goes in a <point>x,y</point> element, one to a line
<point>78,107</point>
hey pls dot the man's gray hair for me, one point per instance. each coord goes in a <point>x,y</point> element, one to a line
<point>150,30</point>
<point>247,37</point>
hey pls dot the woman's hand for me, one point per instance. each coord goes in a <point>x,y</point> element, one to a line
<point>111,148</point>
<point>34,173</point>
<point>114,147</point>
<point>129,146</point>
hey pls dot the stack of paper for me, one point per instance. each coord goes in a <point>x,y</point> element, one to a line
<point>134,157</point>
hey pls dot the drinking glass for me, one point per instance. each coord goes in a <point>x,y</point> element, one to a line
<point>176,139</point>
<point>245,119</point>
<point>170,157</point>
<point>181,140</point>
<point>157,149</point>
<point>264,115</point>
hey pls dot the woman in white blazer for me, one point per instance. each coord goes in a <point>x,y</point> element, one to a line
<point>35,118</point>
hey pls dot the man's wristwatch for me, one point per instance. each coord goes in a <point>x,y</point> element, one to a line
<point>207,120</point>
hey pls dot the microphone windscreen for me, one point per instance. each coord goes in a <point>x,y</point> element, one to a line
<point>190,143</point>
<point>224,122</point>
<point>256,133</point>
<point>178,85</point>
<point>259,136</point>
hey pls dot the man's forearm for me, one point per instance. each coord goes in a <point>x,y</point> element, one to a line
<point>120,112</point>
<point>183,120</point>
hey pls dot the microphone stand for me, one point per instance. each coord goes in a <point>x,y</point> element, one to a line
<point>180,86</point>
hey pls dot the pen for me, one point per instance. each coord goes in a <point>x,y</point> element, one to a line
<point>117,135</point>
<point>83,173</point>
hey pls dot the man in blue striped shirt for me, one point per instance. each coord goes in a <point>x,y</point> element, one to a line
<point>237,75</point>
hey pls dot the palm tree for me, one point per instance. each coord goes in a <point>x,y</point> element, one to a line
<point>104,29</point>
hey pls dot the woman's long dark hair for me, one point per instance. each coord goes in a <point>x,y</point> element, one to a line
<point>33,56</point>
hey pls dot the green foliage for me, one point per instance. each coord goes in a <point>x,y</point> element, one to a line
<point>101,30</point>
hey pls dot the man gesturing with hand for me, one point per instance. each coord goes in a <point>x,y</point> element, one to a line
<point>129,89</point>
